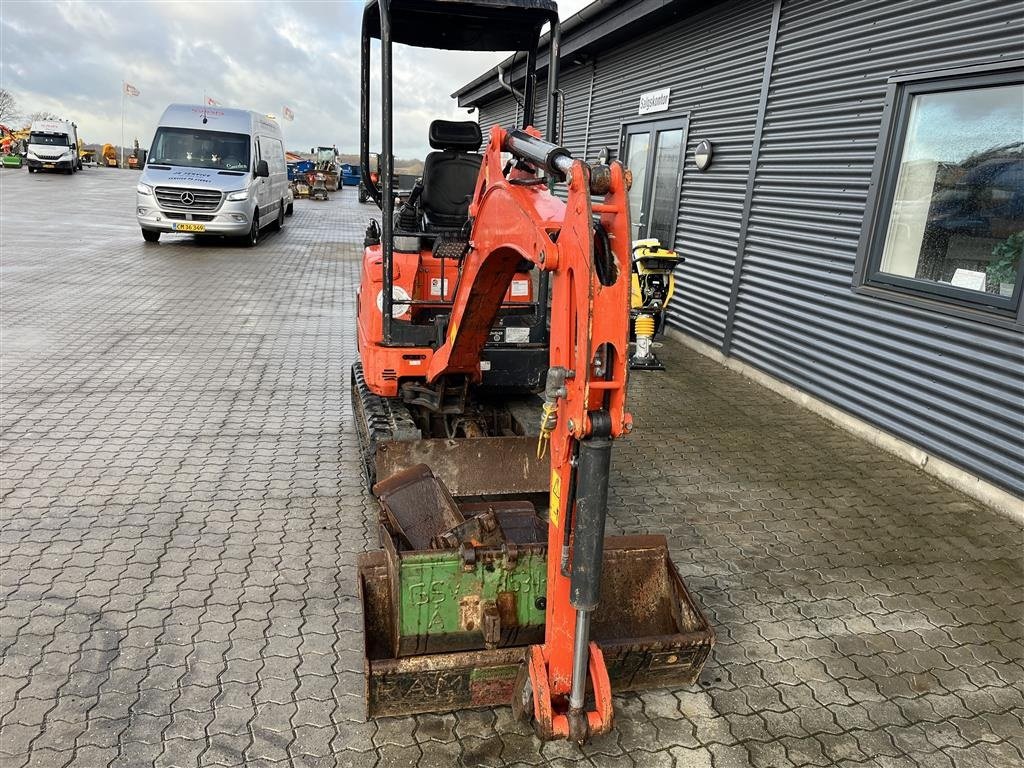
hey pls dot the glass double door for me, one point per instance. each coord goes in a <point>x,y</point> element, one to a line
<point>654,152</point>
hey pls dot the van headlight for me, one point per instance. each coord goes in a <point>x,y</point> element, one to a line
<point>239,196</point>
<point>144,189</point>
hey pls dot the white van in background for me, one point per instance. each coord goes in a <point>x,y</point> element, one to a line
<point>53,146</point>
<point>213,171</point>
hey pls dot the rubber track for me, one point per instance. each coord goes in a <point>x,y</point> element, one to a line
<point>377,421</point>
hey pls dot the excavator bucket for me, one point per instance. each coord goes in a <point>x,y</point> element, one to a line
<point>458,592</point>
<point>650,630</point>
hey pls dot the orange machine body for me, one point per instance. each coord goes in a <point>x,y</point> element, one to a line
<point>429,285</point>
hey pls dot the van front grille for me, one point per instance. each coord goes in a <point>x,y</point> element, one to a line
<point>189,216</point>
<point>188,199</point>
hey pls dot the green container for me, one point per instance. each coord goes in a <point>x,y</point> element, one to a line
<point>11,161</point>
<point>447,604</point>
<point>465,598</point>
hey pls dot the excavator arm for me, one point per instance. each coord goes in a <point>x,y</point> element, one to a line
<point>584,242</point>
<point>584,245</point>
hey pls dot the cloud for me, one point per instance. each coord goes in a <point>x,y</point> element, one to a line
<point>70,58</point>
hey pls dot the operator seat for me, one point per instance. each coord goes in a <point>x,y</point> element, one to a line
<point>449,175</point>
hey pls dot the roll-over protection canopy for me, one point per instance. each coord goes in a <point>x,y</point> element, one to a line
<point>463,25</point>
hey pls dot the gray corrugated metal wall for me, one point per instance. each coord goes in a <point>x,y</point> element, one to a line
<point>713,64</point>
<point>504,112</point>
<point>952,386</point>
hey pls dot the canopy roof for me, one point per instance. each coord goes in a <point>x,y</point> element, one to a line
<point>463,25</point>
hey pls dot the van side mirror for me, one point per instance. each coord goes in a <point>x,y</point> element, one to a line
<point>262,170</point>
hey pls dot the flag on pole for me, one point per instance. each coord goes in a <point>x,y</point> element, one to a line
<point>287,114</point>
<point>212,102</point>
<point>130,90</point>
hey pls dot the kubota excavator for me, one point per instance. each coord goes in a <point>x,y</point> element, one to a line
<point>474,599</point>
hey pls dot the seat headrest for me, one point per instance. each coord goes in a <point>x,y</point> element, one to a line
<point>448,134</point>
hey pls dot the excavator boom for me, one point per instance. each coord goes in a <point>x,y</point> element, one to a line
<point>585,246</point>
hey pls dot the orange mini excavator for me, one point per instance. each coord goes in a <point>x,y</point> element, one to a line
<point>479,291</point>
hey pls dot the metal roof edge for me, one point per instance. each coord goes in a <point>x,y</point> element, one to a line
<point>599,22</point>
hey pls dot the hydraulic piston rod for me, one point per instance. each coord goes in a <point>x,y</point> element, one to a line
<point>545,155</point>
<point>555,160</point>
<point>580,660</point>
<point>588,550</point>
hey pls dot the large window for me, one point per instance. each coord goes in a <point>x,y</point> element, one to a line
<point>191,148</point>
<point>949,217</point>
<point>50,139</point>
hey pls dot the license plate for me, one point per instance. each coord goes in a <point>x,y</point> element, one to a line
<point>188,226</point>
<point>48,165</point>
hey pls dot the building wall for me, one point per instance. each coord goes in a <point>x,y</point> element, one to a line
<point>952,386</point>
<point>714,65</point>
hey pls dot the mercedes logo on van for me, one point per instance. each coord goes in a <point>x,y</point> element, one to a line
<point>187,198</point>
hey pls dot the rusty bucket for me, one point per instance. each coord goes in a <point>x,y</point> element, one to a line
<point>649,628</point>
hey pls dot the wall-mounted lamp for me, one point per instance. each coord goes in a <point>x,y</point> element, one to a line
<point>702,155</point>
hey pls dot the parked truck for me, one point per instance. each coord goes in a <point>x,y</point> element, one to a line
<point>53,146</point>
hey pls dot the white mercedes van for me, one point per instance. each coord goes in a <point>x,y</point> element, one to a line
<point>213,171</point>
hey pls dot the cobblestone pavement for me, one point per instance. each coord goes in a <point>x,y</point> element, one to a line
<point>183,509</point>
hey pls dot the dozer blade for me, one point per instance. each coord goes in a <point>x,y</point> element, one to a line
<point>391,442</point>
<point>650,630</point>
<point>479,466</point>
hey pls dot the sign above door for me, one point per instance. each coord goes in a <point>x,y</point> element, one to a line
<point>654,101</point>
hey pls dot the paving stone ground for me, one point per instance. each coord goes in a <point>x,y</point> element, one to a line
<point>182,512</point>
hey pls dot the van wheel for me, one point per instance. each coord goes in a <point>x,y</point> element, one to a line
<point>252,239</point>
<point>279,221</point>
<point>290,209</point>
<point>150,235</point>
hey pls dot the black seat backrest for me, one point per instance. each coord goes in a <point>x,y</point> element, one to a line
<point>449,175</point>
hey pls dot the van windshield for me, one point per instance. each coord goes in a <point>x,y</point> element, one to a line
<point>200,149</point>
<point>53,139</point>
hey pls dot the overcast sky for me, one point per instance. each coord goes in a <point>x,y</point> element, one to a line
<point>70,58</point>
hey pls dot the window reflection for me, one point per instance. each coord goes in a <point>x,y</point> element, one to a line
<point>957,215</point>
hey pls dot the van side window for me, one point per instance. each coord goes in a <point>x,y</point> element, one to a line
<point>272,150</point>
<point>279,155</point>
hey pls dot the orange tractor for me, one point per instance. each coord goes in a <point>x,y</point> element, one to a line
<point>493,334</point>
